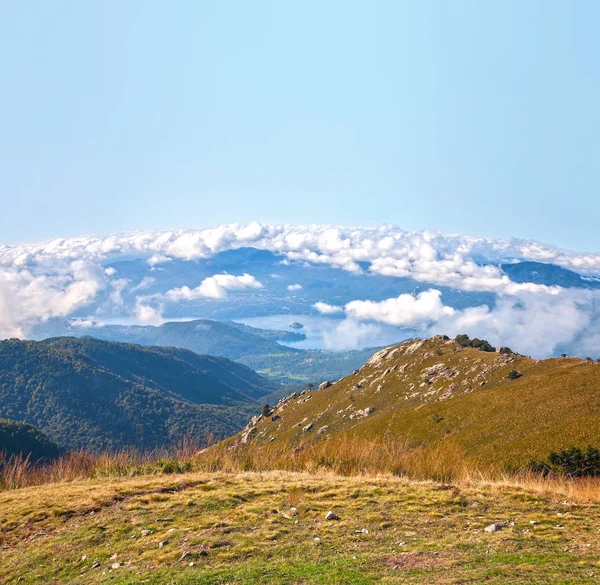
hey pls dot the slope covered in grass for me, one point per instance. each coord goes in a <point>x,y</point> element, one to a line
<point>433,392</point>
<point>271,529</point>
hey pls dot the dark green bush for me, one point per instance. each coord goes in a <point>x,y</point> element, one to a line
<point>481,344</point>
<point>572,462</point>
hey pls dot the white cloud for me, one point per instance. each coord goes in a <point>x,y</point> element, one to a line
<point>146,314</point>
<point>144,283</point>
<point>85,323</point>
<point>349,334</point>
<point>213,287</point>
<point>28,296</point>
<point>326,309</point>
<point>293,287</point>
<point>156,259</point>
<point>532,323</point>
<point>406,309</point>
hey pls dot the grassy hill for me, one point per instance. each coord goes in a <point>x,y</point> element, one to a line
<point>105,395</point>
<point>17,438</point>
<point>436,394</point>
<point>270,529</point>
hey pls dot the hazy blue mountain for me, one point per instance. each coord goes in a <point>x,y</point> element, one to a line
<point>257,348</point>
<point>548,274</point>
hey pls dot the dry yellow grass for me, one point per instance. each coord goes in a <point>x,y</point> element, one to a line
<point>240,529</point>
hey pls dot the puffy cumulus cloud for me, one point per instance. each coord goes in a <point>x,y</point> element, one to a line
<point>293,287</point>
<point>533,323</point>
<point>148,312</point>
<point>28,297</point>
<point>213,287</point>
<point>157,259</point>
<point>326,309</point>
<point>406,310</point>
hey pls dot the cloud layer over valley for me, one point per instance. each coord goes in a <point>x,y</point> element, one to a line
<point>96,277</point>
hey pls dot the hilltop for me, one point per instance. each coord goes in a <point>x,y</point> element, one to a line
<point>105,395</point>
<point>496,407</point>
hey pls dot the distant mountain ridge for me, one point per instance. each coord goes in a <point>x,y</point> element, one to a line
<point>258,349</point>
<point>106,395</point>
<point>548,274</point>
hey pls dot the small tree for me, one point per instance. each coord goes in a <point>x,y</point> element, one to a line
<point>513,375</point>
<point>266,410</point>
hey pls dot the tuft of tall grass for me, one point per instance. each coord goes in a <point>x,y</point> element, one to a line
<point>343,455</point>
<point>17,471</point>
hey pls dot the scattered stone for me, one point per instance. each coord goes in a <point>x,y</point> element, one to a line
<point>247,434</point>
<point>191,564</point>
<point>316,540</point>
<point>493,527</point>
<point>186,554</point>
<point>116,566</point>
<point>84,558</point>
<point>307,428</point>
<point>95,565</point>
<point>293,511</point>
<point>323,430</point>
<point>331,516</point>
<point>146,532</point>
<point>362,413</point>
<point>275,417</point>
<point>203,553</point>
<point>324,385</point>
<point>163,543</point>
<point>113,557</point>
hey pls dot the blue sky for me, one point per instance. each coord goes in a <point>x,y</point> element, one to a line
<point>473,117</point>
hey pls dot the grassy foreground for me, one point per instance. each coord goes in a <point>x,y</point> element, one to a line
<point>243,529</point>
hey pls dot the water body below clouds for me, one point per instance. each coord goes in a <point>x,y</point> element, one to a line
<point>331,333</point>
